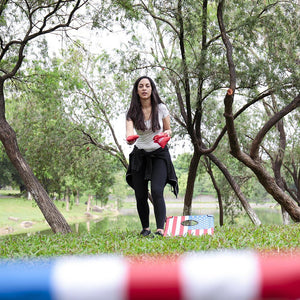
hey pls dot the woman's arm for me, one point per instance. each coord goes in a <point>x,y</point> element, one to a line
<point>167,125</point>
<point>129,131</point>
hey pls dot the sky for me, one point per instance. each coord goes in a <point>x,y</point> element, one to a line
<point>95,42</point>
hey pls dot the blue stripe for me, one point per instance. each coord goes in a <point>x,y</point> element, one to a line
<point>25,280</point>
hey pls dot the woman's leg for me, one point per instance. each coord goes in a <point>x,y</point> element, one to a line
<point>158,182</point>
<point>141,196</point>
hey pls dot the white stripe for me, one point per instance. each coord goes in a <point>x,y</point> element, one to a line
<point>177,226</point>
<point>186,228</point>
<point>102,277</point>
<point>220,275</point>
<point>170,224</point>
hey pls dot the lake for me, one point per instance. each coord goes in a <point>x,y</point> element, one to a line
<point>128,218</point>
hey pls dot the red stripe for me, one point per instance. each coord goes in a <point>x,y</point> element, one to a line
<point>154,280</point>
<point>280,277</point>
<point>174,225</point>
<point>181,226</point>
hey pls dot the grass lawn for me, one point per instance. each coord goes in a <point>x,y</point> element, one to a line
<point>120,235</point>
<point>15,210</point>
<point>275,238</point>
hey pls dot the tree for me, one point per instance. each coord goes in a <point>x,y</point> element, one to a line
<point>98,99</point>
<point>189,59</point>
<point>252,159</point>
<point>52,143</point>
<point>36,111</point>
<point>8,174</point>
<point>21,24</point>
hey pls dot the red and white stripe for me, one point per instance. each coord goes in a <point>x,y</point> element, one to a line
<point>175,228</point>
<point>209,275</point>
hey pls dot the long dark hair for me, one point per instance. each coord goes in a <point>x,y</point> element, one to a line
<point>135,112</point>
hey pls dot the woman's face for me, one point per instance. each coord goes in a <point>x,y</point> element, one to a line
<point>144,89</point>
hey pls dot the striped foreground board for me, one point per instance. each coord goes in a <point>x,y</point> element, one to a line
<point>209,275</point>
<point>189,225</point>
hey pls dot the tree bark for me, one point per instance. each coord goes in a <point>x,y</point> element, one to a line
<point>67,199</point>
<point>252,161</point>
<point>211,174</point>
<point>278,161</point>
<point>45,23</point>
<point>88,207</point>
<point>267,181</point>
<point>52,215</point>
<point>187,208</point>
<point>250,212</point>
<point>294,172</point>
<point>77,197</point>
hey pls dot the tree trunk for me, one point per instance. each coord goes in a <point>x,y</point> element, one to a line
<point>77,197</point>
<point>52,215</point>
<point>277,164</point>
<point>270,185</point>
<point>250,212</point>
<point>88,207</point>
<point>211,174</point>
<point>187,209</point>
<point>279,155</point>
<point>67,199</point>
<point>252,161</point>
<point>285,216</point>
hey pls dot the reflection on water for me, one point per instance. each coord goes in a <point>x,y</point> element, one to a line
<point>130,221</point>
<point>269,215</point>
<point>122,223</point>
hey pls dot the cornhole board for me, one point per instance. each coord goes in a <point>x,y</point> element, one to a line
<point>189,225</point>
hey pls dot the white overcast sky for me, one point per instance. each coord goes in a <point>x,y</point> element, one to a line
<point>95,42</point>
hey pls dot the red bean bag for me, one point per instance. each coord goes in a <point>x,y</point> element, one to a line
<point>162,139</point>
<point>131,138</point>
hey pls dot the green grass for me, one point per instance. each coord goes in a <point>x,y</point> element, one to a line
<point>120,235</point>
<point>281,239</point>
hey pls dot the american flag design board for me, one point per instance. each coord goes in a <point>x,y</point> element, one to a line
<point>189,225</point>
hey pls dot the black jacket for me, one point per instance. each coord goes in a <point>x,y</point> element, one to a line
<point>138,156</point>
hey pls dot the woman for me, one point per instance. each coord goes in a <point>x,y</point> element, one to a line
<point>149,161</point>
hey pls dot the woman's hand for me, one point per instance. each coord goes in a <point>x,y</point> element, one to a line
<point>132,138</point>
<point>168,132</point>
<point>130,142</point>
<point>130,133</point>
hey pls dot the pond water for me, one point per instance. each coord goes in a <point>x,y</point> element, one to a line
<point>129,220</point>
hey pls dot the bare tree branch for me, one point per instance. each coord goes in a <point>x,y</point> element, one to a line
<point>42,31</point>
<point>265,129</point>
<point>227,43</point>
<point>159,18</point>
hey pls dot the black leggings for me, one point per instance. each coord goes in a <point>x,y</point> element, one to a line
<point>158,182</point>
